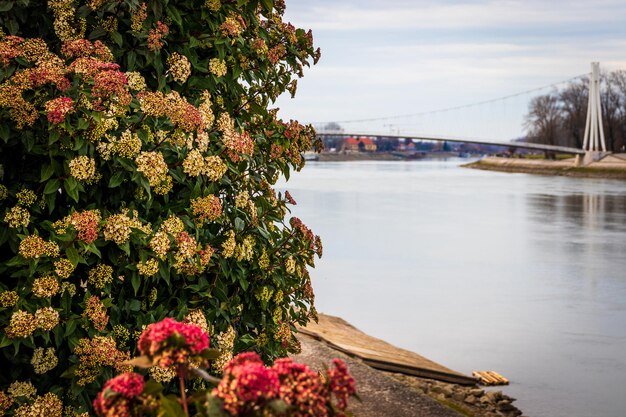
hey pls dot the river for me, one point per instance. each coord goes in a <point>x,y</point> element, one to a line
<point>524,275</point>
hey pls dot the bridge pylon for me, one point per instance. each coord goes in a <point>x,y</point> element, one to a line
<point>594,142</point>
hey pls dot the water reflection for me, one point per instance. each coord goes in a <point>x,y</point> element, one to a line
<point>588,210</point>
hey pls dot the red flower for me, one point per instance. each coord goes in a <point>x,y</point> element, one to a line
<point>342,384</point>
<point>247,384</point>
<point>128,385</point>
<point>58,108</point>
<point>302,389</point>
<point>155,340</point>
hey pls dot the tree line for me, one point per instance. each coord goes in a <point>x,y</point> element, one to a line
<point>559,117</point>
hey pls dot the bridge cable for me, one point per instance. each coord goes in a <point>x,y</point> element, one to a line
<point>401,116</point>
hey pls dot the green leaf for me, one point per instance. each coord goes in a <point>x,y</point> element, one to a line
<point>210,354</point>
<point>71,187</point>
<point>170,407</point>
<point>69,373</point>
<point>143,362</point>
<point>50,199</point>
<point>5,6</point>
<point>5,132</point>
<point>12,26</point>
<point>131,58</point>
<point>268,5</point>
<point>117,38</point>
<point>5,341</point>
<point>52,186</point>
<point>279,407</point>
<point>116,179</point>
<point>134,305</point>
<point>70,327</point>
<point>93,249</point>
<point>47,170</point>
<point>173,13</point>
<point>126,248</point>
<point>152,387</point>
<point>214,407</point>
<point>72,255</point>
<point>136,282</point>
<point>82,124</point>
<point>239,224</point>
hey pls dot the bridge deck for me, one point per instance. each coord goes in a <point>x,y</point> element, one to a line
<point>522,145</point>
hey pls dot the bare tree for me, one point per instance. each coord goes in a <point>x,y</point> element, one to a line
<point>574,100</point>
<point>543,121</point>
<point>611,101</point>
<point>618,83</point>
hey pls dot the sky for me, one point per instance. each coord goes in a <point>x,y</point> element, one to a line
<point>394,57</point>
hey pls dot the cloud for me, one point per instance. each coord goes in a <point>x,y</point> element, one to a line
<point>403,15</point>
<point>401,56</point>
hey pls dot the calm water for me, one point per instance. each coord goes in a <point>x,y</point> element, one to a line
<point>521,274</point>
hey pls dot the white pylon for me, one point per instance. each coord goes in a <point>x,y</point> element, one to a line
<point>594,132</point>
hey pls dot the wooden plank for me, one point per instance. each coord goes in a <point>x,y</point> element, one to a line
<point>379,354</point>
<point>490,378</point>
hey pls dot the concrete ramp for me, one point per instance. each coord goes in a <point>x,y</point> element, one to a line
<point>377,353</point>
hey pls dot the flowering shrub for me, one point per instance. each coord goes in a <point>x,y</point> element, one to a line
<point>248,387</point>
<point>138,151</point>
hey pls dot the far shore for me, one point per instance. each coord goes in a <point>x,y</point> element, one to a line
<point>610,167</point>
<point>382,156</point>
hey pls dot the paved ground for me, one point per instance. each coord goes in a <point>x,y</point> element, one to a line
<point>381,395</point>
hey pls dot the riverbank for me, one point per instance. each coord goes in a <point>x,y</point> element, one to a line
<point>397,394</point>
<point>610,167</point>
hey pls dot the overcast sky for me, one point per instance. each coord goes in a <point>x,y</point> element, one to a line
<point>390,57</point>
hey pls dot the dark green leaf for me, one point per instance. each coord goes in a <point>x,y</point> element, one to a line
<point>136,282</point>
<point>131,58</point>
<point>52,186</point>
<point>117,38</point>
<point>134,305</point>
<point>5,6</point>
<point>47,170</point>
<point>116,179</point>
<point>152,387</point>
<point>170,407</point>
<point>72,255</point>
<point>70,186</point>
<point>210,354</point>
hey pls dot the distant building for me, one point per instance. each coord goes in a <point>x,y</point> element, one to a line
<point>359,144</point>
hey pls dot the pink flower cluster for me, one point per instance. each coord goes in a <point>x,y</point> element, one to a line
<point>58,108</point>
<point>155,36</point>
<point>10,49</point>
<point>302,389</point>
<point>83,48</point>
<point>128,386</point>
<point>111,82</point>
<point>87,223</point>
<point>172,342</point>
<point>342,384</point>
<point>249,385</point>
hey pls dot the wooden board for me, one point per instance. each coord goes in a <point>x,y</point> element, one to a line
<point>490,378</point>
<point>379,354</point>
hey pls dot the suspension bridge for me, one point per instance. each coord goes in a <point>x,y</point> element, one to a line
<point>450,126</point>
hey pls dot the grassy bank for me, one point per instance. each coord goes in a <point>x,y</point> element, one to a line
<point>545,167</point>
